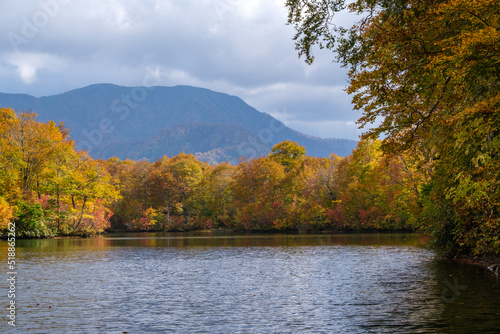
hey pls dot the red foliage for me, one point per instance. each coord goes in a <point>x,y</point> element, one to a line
<point>207,224</point>
<point>102,215</point>
<point>337,217</point>
<point>371,217</point>
<point>44,202</point>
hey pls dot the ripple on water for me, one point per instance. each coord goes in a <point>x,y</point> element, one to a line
<point>311,287</point>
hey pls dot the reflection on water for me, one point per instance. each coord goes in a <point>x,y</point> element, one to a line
<point>188,240</point>
<point>220,283</point>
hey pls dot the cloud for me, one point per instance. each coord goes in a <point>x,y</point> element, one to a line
<point>239,47</point>
<point>328,129</point>
<point>29,64</point>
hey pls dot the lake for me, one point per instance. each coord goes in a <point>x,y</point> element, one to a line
<point>223,283</point>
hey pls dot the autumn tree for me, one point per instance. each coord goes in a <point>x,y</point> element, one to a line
<point>6,214</point>
<point>9,158</point>
<point>50,186</point>
<point>287,153</point>
<point>374,192</point>
<point>305,195</point>
<point>187,172</point>
<point>328,177</point>
<point>34,145</point>
<point>214,195</point>
<point>91,191</point>
<point>166,189</point>
<point>257,194</point>
<point>163,190</point>
<point>28,147</point>
<point>185,176</point>
<point>132,181</point>
<point>57,179</point>
<point>429,72</point>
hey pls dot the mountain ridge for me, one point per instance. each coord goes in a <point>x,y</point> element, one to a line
<point>109,120</point>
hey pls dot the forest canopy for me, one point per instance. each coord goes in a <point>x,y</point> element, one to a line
<point>47,188</point>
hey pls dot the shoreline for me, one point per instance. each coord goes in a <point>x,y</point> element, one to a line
<point>483,261</point>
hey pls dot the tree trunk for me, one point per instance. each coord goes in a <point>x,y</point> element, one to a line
<point>58,191</point>
<point>168,214</point>
<point>81,213</point>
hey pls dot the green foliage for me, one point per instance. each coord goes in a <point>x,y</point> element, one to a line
<point>287,153</point>
<point>30,221</point>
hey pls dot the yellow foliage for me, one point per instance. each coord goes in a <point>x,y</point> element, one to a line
<point>6,214</point>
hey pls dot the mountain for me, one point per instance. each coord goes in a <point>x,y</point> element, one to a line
<point>150,122</point>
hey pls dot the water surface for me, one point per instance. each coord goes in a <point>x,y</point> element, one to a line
<point>211,283</point>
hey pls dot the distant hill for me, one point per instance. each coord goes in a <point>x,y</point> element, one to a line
<point>150,122</point>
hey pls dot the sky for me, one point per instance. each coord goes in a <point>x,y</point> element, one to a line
<point>238,47</point>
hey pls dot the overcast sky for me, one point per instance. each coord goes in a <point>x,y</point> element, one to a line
<point>238,47</point>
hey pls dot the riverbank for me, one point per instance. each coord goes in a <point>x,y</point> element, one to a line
<point>483,261</point>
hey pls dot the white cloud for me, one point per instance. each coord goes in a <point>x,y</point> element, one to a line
<point>27,72</point>
<point>239,47</point>
<point>112,14</point>
<point>328,129</point>
<point>29,64</point>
